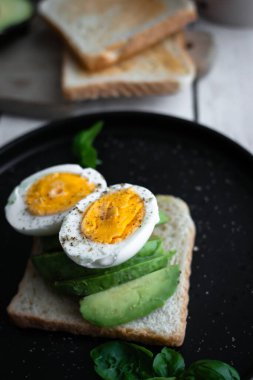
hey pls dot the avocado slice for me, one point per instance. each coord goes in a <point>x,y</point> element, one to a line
<point>14,12</point>
<point>57,266</point>
<point>163,218</point>
<point>131,300</point>
<point>94,284</point>
<point>52,244</point>
<point>154,244</point>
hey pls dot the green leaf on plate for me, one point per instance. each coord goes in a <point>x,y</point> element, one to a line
<point>83,146</point>
<point>168,363</point>
<point>122,361</point>
<point>211,370</point>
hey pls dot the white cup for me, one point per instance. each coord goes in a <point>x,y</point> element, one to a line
<point>230,12</point>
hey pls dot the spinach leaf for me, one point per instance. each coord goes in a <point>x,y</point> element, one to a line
<point>122,361</point>
<point>168,363</point>
<point>211,370</point>
<point>83,146</point>
<point>163,218</point>
<point>163,378</point>
<point>126,361</point>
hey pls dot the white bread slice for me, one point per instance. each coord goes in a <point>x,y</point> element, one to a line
<point>102,32</point>
<point>36,305</point>
<point>164,68</point>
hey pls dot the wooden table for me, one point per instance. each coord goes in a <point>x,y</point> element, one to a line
<point>223,100</point>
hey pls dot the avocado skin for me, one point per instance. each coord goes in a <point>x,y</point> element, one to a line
<point>132,300</point>
<point>57,266</point>
<point>94,284</point>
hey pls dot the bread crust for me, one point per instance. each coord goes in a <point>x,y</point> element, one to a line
<point>143,336</point>
<point>81,327</point>
<point>125,88</point>
<point>116,89</point>
<point>135,44</point>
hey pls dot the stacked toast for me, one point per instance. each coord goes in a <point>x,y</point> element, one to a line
<point>122,48</point>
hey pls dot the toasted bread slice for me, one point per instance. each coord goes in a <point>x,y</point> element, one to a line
<point>103,32</point>
<point>36,305</point>
<point>164,68</point>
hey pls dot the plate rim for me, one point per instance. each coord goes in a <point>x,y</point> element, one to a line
<point>203,129</point>
<point>195,126</point>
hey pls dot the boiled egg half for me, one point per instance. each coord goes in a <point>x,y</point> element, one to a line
<point>38,204</point>
<point>106,229</point>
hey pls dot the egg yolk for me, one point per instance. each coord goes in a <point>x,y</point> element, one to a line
<point>57,192</point>
<point>113,217</point>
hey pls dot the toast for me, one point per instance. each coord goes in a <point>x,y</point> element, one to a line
<point>36,305</point>
<point>103,32</point>
<point>161,69</point>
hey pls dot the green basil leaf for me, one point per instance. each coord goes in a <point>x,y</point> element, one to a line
<point>168,363</point>
<point>211,370</point>
<point>88,157</point>
<point>163,218</point>
<point>163,378</point>
<point>83,146</point>
<point>122,361</point>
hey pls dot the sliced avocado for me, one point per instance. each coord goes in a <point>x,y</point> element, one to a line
<point>94,284</point>
<point>152,245</point>
<point>163,218</point>
<point>131,300</point>
<point>14,12</point>
<point>57,266</point>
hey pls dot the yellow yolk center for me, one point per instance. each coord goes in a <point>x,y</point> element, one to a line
<point>113,217</point>
<point>57,192</point>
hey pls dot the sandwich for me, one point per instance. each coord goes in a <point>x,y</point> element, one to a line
<point>107,261</point>
<point>162,69</point>
<point>103,32</point>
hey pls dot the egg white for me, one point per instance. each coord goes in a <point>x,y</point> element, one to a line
<point>88,253</point>
<point>22,220</point>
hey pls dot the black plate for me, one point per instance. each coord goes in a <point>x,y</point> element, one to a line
<point>171,156</point>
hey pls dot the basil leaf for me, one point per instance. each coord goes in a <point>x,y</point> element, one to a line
<point>163,378</point>
<point>211,370</point>
<point>83,146</point>
<point>122,361</point>
<point>163,218</point>
<point>168,363</point>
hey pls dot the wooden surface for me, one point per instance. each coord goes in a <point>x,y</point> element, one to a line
<point>30,67</point>
<point>225,97</point>
<point>223,100</point>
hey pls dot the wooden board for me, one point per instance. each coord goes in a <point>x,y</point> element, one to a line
<point>30,79</point>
